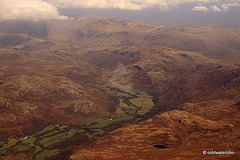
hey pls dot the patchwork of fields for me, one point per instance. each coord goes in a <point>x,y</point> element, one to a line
<point>52,139</point>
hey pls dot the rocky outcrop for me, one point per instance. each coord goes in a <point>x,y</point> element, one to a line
<point>184,136</point>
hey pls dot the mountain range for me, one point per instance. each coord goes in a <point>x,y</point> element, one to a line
<point>125,90</point>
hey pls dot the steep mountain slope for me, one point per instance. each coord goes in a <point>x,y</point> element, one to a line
<point>213,42</point>
<point>209,125</point>
<point>40,85</point>
<point>217,43</point>
<point>96,33</point>
<point>82,79</point>
<point>205,92</point>
<point>179,134</point>
<point>175,76</point>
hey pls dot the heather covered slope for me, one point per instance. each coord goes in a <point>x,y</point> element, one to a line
<point>175,76</point>
<point>84,79</point>
<point>217,43</point>
<point>100,32</point>
<point>39,84</point>
<point>184,135</point>
<point>210,125</point>
<point>213,42</point>
<point>204,91</point>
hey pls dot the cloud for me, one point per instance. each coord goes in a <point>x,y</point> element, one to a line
<point>28,10</point>
<point>215,9</point>
<point>48,9</point>
<point>104,4</point>
<point>226,6</point>
<point>200,8</point>
<point>127,6</point>
<point>123,4</point>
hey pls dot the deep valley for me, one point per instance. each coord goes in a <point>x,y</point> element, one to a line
<point>108,89</point>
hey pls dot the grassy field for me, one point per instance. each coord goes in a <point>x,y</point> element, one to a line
<point>57,137</point>
<point>2,151</point>
<point>21,156</point>
<point>45,153</point>
<point>63,126</point>
<point>125,106</point>
<point>121,117</point>
<point>141,104</point>
<point>52,135</point>
<point>142,96</point>
<point>119,111</point>
<point>52,142</point>
<point>147,105</point>
<point>130,105</point>
<point>77,130</point>
<point>29,141</point>
<point>122,104</point>
<point>138,119</point>
<point>99,131</point>
<point>48,128</point>
<point>8,144</point>
<point>37,148</point>
<point>49,134</point>
<point>20,148</point>
<point>137,101</point>
<point>131,111</point>
<point>103,122</point>
<point>120,94</point>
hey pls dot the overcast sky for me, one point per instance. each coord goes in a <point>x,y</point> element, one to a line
<point>211,12</point>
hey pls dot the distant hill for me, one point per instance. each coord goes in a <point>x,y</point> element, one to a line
<point>85,78</point>
<point>217,43</point>
<point>213,42</point>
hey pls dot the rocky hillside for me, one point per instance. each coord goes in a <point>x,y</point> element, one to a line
<point>134,85</point>
<point>217,43</point>
<point>177,134</point>
<point>175,76</point>
<point>41,85</point>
